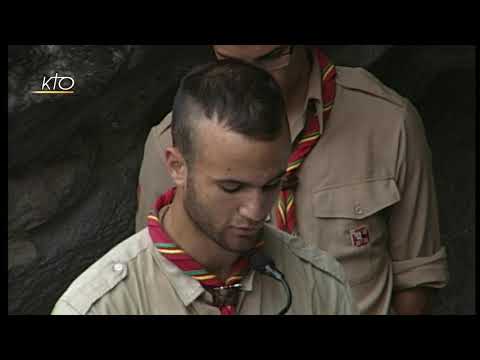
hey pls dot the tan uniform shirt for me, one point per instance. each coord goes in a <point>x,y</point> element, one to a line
<point>135,279</point>
<point>366,192</point>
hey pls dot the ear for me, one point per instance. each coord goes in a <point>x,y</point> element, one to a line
<point>176,166</point>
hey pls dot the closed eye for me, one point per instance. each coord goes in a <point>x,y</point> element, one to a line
<point>230,187</point>
<point>275,54</point>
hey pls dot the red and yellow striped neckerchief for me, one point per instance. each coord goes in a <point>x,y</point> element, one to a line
<point>165,246</point>
<point>303,145</point>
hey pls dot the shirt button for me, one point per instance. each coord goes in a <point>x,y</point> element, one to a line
<point>358,210</point>
<point>117,267</point>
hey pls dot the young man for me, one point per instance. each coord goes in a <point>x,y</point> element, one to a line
<point>360,182</point>
<point>199,251</point>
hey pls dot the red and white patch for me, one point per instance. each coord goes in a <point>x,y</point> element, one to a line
<point>360,236</point>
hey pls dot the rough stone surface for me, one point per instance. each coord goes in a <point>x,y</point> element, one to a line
<point>73,161</point>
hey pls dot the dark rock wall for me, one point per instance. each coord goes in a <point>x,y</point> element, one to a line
<point>73,161</point>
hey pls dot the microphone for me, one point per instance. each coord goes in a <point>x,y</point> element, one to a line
<point>265,265</point>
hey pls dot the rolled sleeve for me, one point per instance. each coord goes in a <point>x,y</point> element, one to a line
<point>418,257</point>
<point>428,271</point>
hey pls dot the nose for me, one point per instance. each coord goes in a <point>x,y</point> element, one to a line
<point>256,206</point>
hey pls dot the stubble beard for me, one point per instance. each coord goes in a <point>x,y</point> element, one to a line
<point>196,212</point>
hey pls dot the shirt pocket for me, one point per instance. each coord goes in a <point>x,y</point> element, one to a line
<point>351,218</point>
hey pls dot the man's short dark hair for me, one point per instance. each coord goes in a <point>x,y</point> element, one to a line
<point>242,97</point>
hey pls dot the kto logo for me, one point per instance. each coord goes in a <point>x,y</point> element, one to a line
<point>56,85</point>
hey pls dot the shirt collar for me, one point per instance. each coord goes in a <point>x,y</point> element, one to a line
<point>187,288</point>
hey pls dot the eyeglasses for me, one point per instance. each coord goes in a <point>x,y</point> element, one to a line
<point>275,60</point>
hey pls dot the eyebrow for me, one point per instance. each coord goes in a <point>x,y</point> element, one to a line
<point>277,177</point>
<point>261,57</point>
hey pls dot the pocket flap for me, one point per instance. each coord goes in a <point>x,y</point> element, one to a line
<point>356,201</point>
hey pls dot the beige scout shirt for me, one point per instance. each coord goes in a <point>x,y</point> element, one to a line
<point>366,192</point>
<point>134,279</point>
